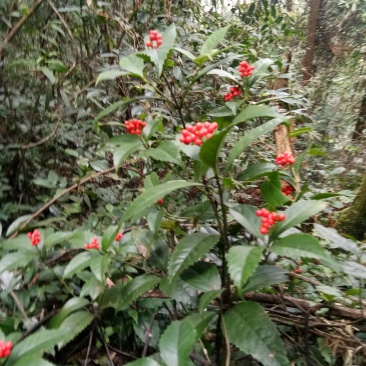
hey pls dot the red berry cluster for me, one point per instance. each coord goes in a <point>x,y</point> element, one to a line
<point>245,69</point>
<point>35,237</point>
<point>160,201</point>
<point>118,237</point>
<point>93,245</point>
<point>134,126</point>
<point>234,92</point>
<point>5,348</point>
<point>268,219</point>
<point>286,188</point>
<point>195,133</point>
<point>284,158</point>
<point>154,36</point>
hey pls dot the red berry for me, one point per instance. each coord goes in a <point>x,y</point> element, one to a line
<point>198,142</point>
<point>298,270</point>
<point>160,201</point>
<point>34,237</point>
<point>263,230</point>
<point>148,44</point>
<point>118,237</point>
<point>259,213</point>
<point>281,217</point>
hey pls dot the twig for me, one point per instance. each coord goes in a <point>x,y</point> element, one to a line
<point>89,346</point>
<point>148,336</point>
<point>18,304</point>
<point>54,8</point>
<point>47,138</point>
<point>19,25</point>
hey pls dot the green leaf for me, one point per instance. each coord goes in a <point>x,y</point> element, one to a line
<point>110,75</point>
<point>200,321</point>
<point>242,262</point>
<point>15,225</point>
<point>257,171</point>
<point>143,362</point>
<point>133,64</point>
<point>271,191</point>
<point>150,196</point>
<point>57,238</point>
<point>202,276</point>
<point>336,240</point>
<point>256,111</point>
<point>109,236</point>
<point>245,216</point>
<point>260,71</point>
<point>188,251</point>
<point>99,266</point>
<point>15,260</point>
<point>166,151</point>
<point>99,165</point>
<point>297,213</point>
<point>299,245</point>
<point>249,138</point>
<point>21,243</point>
<point>49,74</point>
<point>210,149</point>
<point>130,292</point>
<point>252,331</point>
<point>30,360</point>
<point>74,325</point>
<point>187,53</point>
<point>128,144</point>
<point>92,287</point>
<point>71,305</point>
<point>224,74</point>
<point>79,262</point>
<point>265,276</point>
<point>213,41</point>
<point>206,299</point>
<point>176,343</point>
<point>36,344</point>
<point>168,38</point>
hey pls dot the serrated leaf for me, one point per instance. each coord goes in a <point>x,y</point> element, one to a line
<point>79,262</point>
<point>176,343</point>
<point>74,324</point>
<point>143,362</point>
<point>110,75</point>
<point>206,299</point>
<point>200,321</point>
<point>150,196</point>
<point>298,245</point>
<point>297,213</point>
<point>70,306</point>
<point>166,151</point>
<point>252,331</point>
<point>14,226</point>
<point>37,343</point>
<point>265,276</point>
<point>242,262</point>
<point>245,215</point>
<point>127,145</point>
<point>249,138</point>
<point>109,236</point>
<point>130,292</point>
<point>210,149</point>
<point>15,260</point>
<point>133,64</point>
<point>188,251</point>
<point>99,266</point>
<point>213,40</point>
<point>57,238</point>
<point>202,276</point>
<point>92,287</point>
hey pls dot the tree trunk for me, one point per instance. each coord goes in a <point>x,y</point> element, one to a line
<point>361,120</point>
<point>307,62</point>
<point>352,221</point>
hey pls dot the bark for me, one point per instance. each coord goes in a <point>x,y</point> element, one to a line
<point>361,120</point>
<point>352,221</point>
<point>307,63</point>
